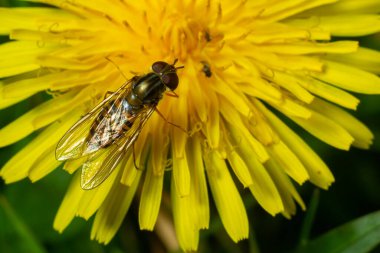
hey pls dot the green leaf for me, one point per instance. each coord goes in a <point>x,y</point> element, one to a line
<point>309,218</point>
<point>358,236</point>
<point>23,235</point>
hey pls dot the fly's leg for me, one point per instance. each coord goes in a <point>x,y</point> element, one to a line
<point>108,93</point>
<point>134,73</point>
<point>175,125</point>
<point>172,94</point>
<point>134,157</point>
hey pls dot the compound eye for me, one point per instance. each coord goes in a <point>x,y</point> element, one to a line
<point>170,80</point>
<point>159,67</point>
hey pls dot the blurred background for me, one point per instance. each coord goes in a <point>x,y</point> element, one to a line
<point>27,210</point>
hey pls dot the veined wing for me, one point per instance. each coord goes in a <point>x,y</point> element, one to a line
<point>110,125</point>
<point>73,143</point>
<point>101,164</point>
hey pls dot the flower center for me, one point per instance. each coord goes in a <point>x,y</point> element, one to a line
<point>187,36</point>
<point>184,35</point>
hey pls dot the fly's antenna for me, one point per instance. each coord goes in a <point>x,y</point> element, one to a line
<point>175,61</point>
<point>121,72</point>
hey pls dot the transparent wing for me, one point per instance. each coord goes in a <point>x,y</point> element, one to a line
<point>73,143</point>
<point>101,164</point>
<point>109,126</point>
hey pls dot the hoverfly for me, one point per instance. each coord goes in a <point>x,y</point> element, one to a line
<point>107,132</point>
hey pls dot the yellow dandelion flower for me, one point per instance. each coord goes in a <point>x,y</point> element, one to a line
<point>243,60</point>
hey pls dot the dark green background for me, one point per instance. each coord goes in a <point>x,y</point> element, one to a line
<point>27,210</point>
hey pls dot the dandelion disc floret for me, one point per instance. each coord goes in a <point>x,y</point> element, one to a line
<point>244,60</point>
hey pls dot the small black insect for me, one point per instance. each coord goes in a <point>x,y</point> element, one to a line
<point>206,69</point>
<point>108,131</point>
<point>208,36</point>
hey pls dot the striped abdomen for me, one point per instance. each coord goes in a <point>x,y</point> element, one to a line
<point>112,122</point>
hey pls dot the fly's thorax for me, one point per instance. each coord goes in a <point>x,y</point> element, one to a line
<point>149,88</point>
<point>133,100</point>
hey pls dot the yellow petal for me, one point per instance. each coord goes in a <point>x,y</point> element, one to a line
<point>339,47</point>
<point>325,129</point>
<point>53,61</point>
<point>261,89</point>
<point>113,210</point>
<point>286,189</point>
<point>290,6</point>
<point>258,126</point>
<point>72,165</point>
<point>181,175</point>
<point>239,131</point>
<point>283,9</point>
<point>45,164</point>
<point>345,6</point>
<point>136,158</point>
<point>18,166</point>
<point>228,94</point>
<point>34,19</point>
<point>362,135</point>
<point>331,93</point>
<point>263,188</point>
<point>178,109</point>
<point>350,78</point>
<point>284,33</point>
<point>191,212</point>
<point>292,107</point>
<point>141,148</point>
<point>69,204</point>
<point>150,199</point>
<point>160,145</point>
<point>245,141</point>
<point>288,161</point>
<point>18,57</point>
<point>251,81</point>
<point>351,25</point>
<point>91,200</point>
<point>291,83</point>
<point>56,81</point>
<point>318,171</point>
<point>365,59</point>
<point>41,116</point>
<point>213,122</point>
<point>227,199</point>
<point>130,172</point>
<point>5,102</point>
<point>275,61</point>
<point>26,87</point>
<point>197,91</point>
<point>184,220</point>
<point>240,168</point>
<point>198,190</point>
